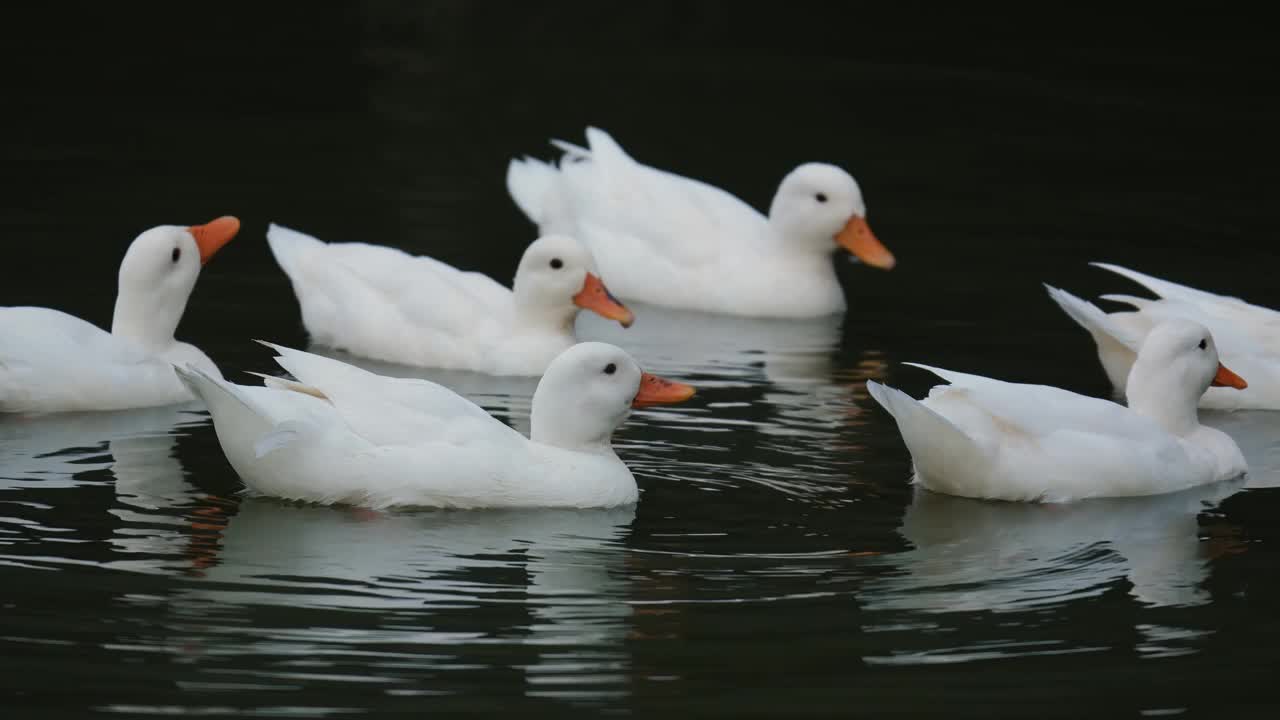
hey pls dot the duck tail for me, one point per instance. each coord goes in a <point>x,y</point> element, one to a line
<point>242,426</point>
<point>1105,329</point>
<point>1163,288</point>
<point>938,447</point>
<point>288,246</point>
<point>532,184</point>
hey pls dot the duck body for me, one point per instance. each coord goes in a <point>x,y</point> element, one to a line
<point>51,361</point>
<point>985,438</point>
<point>673,241</point>
<point>339,434</point>
<point>66,364</point>
<point>382,303</point>
<point>1248,336</point>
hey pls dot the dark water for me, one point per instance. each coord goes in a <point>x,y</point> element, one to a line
<point>778,563</point>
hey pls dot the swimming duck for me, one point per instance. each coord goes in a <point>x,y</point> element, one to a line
<point>1248,335</point>
<point>669,240</point>
<point>51,361</point>
<point>340,434</point>
<point>385,304</point>
<point>984,438</point>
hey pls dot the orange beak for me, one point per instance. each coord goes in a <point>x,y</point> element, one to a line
<point>595,297</point>
<point>857,238</point>
<point>213,235</point>
<point>656,390</point>
<point>1226,378</point>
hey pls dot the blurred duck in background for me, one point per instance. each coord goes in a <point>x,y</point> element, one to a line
<point>1248,335</point>
<point>382,303</point>
<point>668,240</point>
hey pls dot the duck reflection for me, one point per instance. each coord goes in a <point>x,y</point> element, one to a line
<point>780,351</point>
<point>50,450</point>
<point>49,462</point>
<point>979,555</point>
<point>549,581</point>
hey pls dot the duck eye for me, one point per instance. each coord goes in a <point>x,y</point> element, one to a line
<point>820,197</point>
<point>610,369</point>
<point>556,263</point>
<point>1203,343</point>
<point>177,253</point>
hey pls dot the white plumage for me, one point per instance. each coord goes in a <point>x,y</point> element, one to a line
<point>668,240</point>
<point>985,438</point>
<point>1248,335</point>
<point>54,362</point>
<point>383,303</point>
<point>339,434</point>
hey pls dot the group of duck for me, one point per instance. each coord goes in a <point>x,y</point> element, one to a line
<point>336,433</point>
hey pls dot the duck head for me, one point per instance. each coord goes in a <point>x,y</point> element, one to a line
<point>557,277</point>
<point>589,390</point>
<point>1177,362</point>
<point>157,276</point>
<point>820,207</point>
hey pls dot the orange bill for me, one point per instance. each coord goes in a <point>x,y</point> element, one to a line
<point>1226,378</point>
<point>857,238</point>
<point>595,297</point>
<point>213,235</point>
<point>656,390</point>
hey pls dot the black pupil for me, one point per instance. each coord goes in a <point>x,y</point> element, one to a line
<point>1203,344</point>
<point>556,264</point>
<point>821,197</point>
<point>177,253</point>
<point>610,369</point>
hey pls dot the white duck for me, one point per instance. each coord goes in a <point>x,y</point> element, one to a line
<point>385,304</point>
<point>340,434</point>
<point>1248,335</point>
<point>51,361</point>
<point>669,240</point>
<point>985,438</point>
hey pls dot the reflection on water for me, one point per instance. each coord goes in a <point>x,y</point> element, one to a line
<point>772,519</point>
<point>51,449</point>
<point>57,457</point>
<point>976,555</point>
<point>546,579</point>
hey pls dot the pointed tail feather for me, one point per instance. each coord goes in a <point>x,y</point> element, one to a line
<point>937,446</point>
<point>288,246</point>
<point>214,392</point>
<point>1136,303</point>
<point>573,152</point>
<point>1091,318</point>
<point>605,147</point>
<point>1164,288</point>
<point>532,185</point>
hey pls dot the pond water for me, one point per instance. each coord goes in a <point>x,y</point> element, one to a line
<point>778,562</point>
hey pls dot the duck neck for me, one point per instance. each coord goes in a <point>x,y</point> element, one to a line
<point>1174,408</point>
<point>549,429</point>
<point>144,320</point>
<point>532,314</point>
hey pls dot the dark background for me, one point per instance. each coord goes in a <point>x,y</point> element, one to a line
<point>993,148</point>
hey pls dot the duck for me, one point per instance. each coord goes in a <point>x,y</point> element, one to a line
<point>988,439</point>
<point>1249,335</point>
<point>677,242</point>
<point>51,361</point>
<point>384,304</point>
<point>338,434</point>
